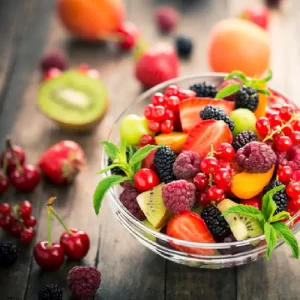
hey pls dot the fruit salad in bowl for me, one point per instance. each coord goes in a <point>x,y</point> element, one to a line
<point>205,170</point>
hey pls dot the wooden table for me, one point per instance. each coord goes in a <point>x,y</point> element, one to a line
<point>129,271</point>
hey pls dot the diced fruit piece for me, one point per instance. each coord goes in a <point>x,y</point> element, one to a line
<point>148,162</point>
<point>247,185</point>
<point>152,205</point>
<point>175,140</point>
<point>205,134</point>
<point>190,110</point>
<point>262,105</point>
<point>244,119</point>
<point>189,226</point>
<point>148,235</point>
<point>132,128</point>
<point>242,227</point>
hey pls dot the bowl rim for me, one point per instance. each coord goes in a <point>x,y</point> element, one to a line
<point>139,224</point>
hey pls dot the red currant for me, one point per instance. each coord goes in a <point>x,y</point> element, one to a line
<point>15,230</point>
<point>225,151</point>
<point>5,209</point>
<point>158,99</point>
<point>202,199</point>
<point>154,126</point>
<point>209,165</point>
<point>295,175</point>
<point>7,221</point>
<point>222,178</point>
<point>158,113</point>
<point>283,143</point>
<point>263,126</point>
<point>200,181</point>
<point>12,154</point>
<point>185,94</point>
<point>284,174</point>
<point>286,113</point>
<point>148,111</point>
<point>295,203</point>
<point>171,90</point>
<point>296,125</point>
<point>145,180</point>
<point>25,209</point>
<point>30,222</point>
<point>4,182</point>
<point>147,139</point>
<point>275,120</point>
<point>295,137</point>
<point>215,193</point>
<point>166,126</point>
<point>293,190</point>
<point>225,164</point>
<point>288,130</point>
<point>169,114</point>
<point>172,103</point>
<point>27,235</point>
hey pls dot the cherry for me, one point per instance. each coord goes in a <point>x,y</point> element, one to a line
<point>25,209</point>
<point>293,190</point>
<point>5,209</point>
<point>166,126</point>
<point>30,222</point>
<point>12,153</point>
<point>154,126</point>
<point>209,165</point>
<point>171,90</point>
<point>145,180</point>
<point>283,143</point>
<point>172,103</point>
<point>295,203</point>
<point>255,202</point>
<point>295,137</point>
<point>4,183</point>
<point>76,243</point>
<point>222,178</point>
<point>263,126</point>
<point>27,235</point>
<point>202,199</point>
<point>49,256</point>
<point>295,175</point>
<point>275,120</point>
<point>185,94</point>
<point>158,99</point>
<point>215,193</point>
<point>26,179</point>
<point>284,174</point>
<point>200,181</point>
<point>286,112</point>
<point>225,151</point>
<point>147,139</point>
<point>7,221</point>
<point>158,113</point>
<point>15,230</point>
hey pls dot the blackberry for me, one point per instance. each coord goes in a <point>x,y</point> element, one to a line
<point>216,223</point>
<point>164,159</point>
<point>246,97</point>
<point>243,138</point>
<point>204,89</point>
<point>8,253</point>
<point>51,292</point>
<point>280,197</point>
<point>184,46</point>
<point>211,112</point>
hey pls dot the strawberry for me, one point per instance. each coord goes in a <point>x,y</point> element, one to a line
<point>206,134</point>
<point>255,202</point>
<point>189,226</point>
<point>190,110</point>
<point>148,162</point>
<point>62,162</point>
<point>258,15</point>
<point>156,65</point>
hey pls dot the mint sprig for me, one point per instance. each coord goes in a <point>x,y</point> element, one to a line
<point>271,224</point>
<point>129,164</point>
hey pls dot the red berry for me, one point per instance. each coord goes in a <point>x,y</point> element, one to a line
<point>293,190</point>
<point>275,120</point>
<point>295,203</point>
<point>295,137</point>
<point>284,174</point>
<point>158,113</point>
<point>222,178</point>
<point>169,115</point>
<point>49,258</point>
<point>225,164</point>
<point>30,222</point>
<point>296,125</point>
<point>4,183</point>
<point>263,126</point>
<point>52,73</point>
<point>225,151</point>
<point>15,230</point>
<point>77,245</point>
<point>129,34</point>
<point>287,130</point>
<point>5,209</point>
<point>286,112</point>
<point>27,235</point>
<point>158,99</point>
<point>25,209</point>
<point>147,139</point>
<point>7,222</point>
<point>172,103</point>
<point>145,180</point>
<point>185,94</point>
<point>215,193</point>
<point>295,175</point>
<point>148,111</point>
<point>171,90</point>
<point>18,153</point>
<point>255,202</point>
<point>283,143</point>
<point>166,126</point>
<point>209,165</point>
<point>200,181</point>
<point>154,126</point>
<point>202,199</point>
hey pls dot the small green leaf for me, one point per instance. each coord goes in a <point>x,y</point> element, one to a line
<point>123,148</point>
<point>268,204</point>
<point>142,153</point>
<point>271,238</point>
<point>284,232</point>
<point>228,90</point>
<point>237,74</point>
<point>103,186</point>
<point>137,167</point>
<point>268,77</point>
<point>265,92</point>
<point>131,151</point>
<point>245,210</point>
<point>110,149</point>
<point>280,216</point>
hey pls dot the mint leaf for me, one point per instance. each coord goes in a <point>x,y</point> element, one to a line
<point>110,167</point>
<point>265,92</point>
<point>268,77</point>
<point>245,210</point>
<point>137,167</point>
<point>271,238</point>
<point>123,149</point>
<point>142,153</point>
<point>237,74</point>
<point>284,232</point>
<point>280,216</point>
<point>268,204</point>
<point>110,149</point>
<point>131,151</point>
<point>103,186</point>
<point>228,90</point>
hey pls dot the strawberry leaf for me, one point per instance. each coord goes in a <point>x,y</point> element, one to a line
<point>228,90</point>
<point>271,238</point>
<point>111,150</point>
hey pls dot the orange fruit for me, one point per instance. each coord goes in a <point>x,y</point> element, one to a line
<point>262,104</point>
<point>175,140</point>
<point>237,44</point>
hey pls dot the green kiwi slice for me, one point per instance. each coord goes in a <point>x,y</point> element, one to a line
<point>73,100</point>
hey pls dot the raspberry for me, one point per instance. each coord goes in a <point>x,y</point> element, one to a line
<point>8,253</point>
<point>243,138</point>
<point>166,18</point>
<point>179,196</point>
<point>280,197</point>
<point>216,223</point>
<point>256,157</point>
<point>290,158</point>
<point>53,60</point>
<point>184,46</point>
<point>51,292</point>
<point>128,199</point>
<point>204,89</point>
<point>246,97</point>
<point>84,282</point>
<point>164,159</point>
<point>211,112</point>
<point>187,165</point>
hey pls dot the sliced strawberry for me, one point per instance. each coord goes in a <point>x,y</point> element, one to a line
<point>189,226</point>
<point>190,110</point>
<point>205,134</point>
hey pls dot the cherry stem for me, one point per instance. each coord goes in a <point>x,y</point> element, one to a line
<point>49,226</point>
<point>52,210</point>
<point>4,167</point>
<point>16,159</point>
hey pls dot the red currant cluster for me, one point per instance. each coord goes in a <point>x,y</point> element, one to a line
<point>24,177</point>
<point>18,221</point>
<point>280,128</point>
<point>147,139</point>
<point>217,174</point>
<point>163,113</point>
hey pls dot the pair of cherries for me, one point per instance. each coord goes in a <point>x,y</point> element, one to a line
<point>74,244</point>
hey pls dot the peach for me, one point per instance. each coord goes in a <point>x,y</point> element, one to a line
<point>91,19</point>
<point>175,140</point>
<point>237,44</point>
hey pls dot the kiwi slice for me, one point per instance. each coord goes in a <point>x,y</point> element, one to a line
<point>148,235</point>
<point>242,227</point>
<point>151,203</point>
<point>73,100</point>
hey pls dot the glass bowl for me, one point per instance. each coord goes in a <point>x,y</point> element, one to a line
<point>199,255</point>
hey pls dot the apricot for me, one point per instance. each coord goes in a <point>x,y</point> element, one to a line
<point>91,19</point>
<point>237,44</point>
<point>175,140</point>
<point>248,185</point>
